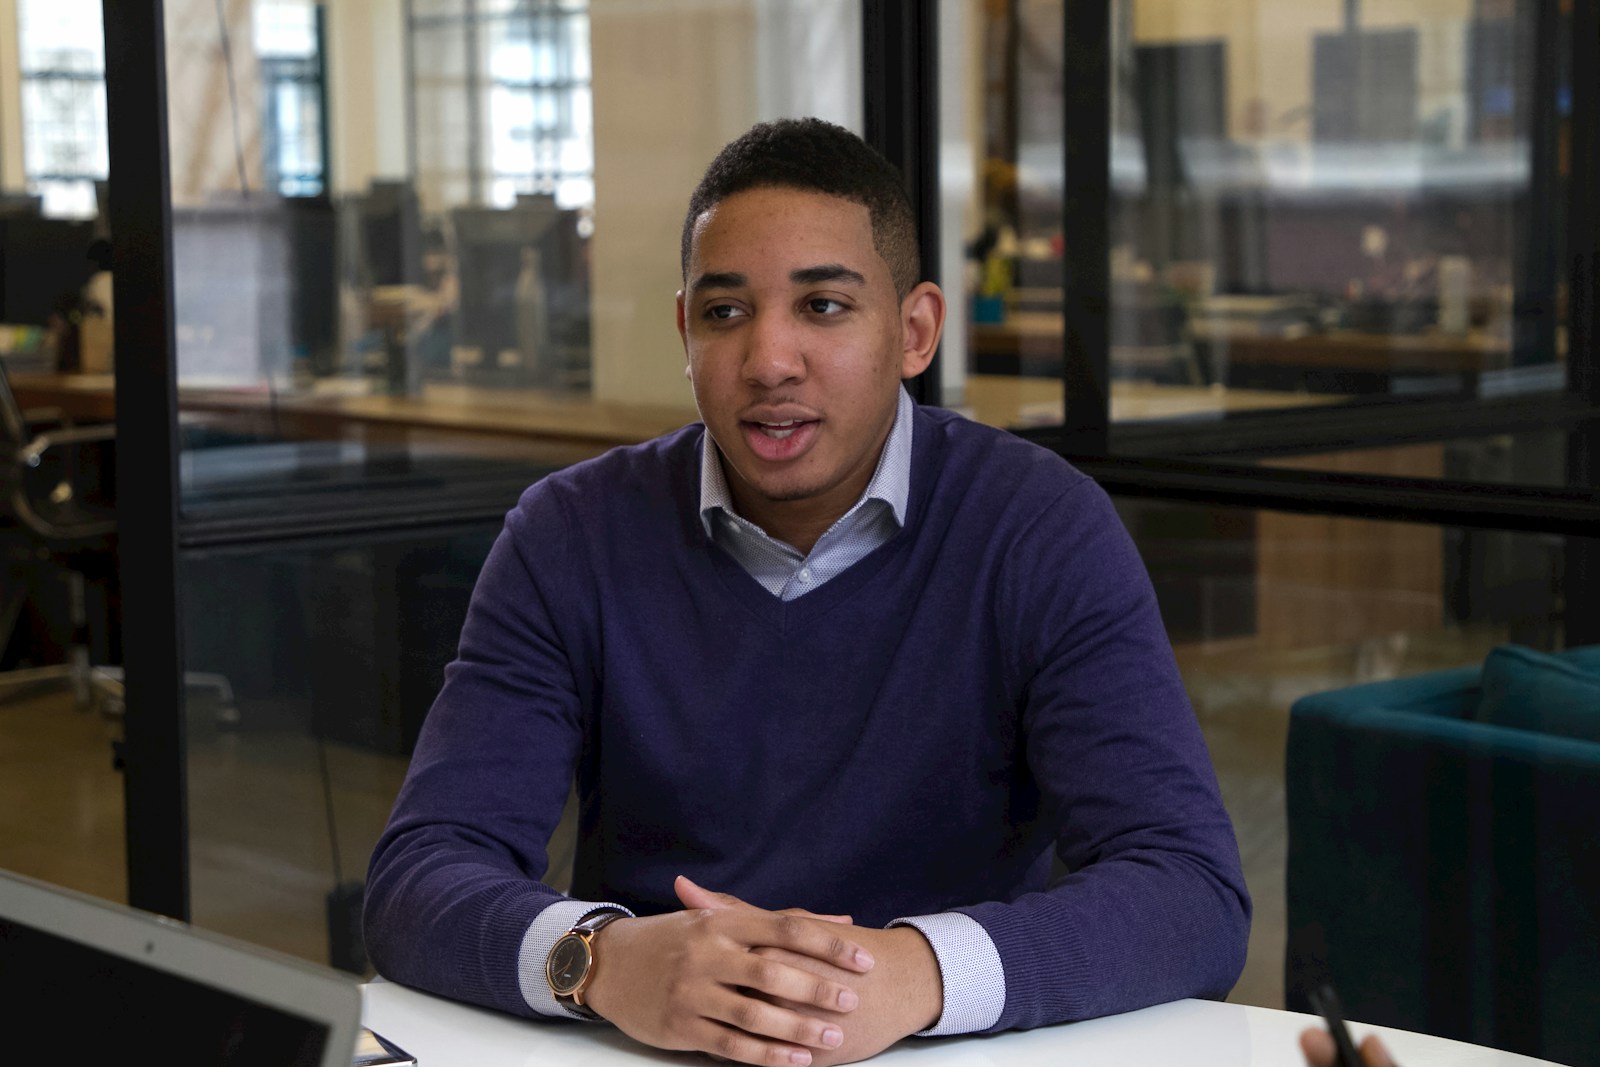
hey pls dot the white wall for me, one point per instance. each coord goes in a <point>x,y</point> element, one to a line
<point>11,173</point>
<point>1270,44</point>
<point>367,130</point>
<point>673,83</point>
<point>961,29</point>
<point>211,127</point>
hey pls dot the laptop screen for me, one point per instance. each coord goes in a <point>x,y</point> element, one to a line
<point>96,980</point>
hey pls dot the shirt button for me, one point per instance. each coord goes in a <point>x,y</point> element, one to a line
<point>805,575</point>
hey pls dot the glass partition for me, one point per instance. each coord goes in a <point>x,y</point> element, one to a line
<point>1312,205</point>
<point>1266,608</point>
<point>60,790</point>
<point>482,287</point>
<point>479,291</point>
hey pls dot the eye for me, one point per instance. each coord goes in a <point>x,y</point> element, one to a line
<point>822,305</point>
<point>722,312</point>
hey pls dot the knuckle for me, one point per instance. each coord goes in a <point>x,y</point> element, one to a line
<point>763,972</point>
<point>822,993</point>
<point>745,1015</point>
<point>726,1044</point>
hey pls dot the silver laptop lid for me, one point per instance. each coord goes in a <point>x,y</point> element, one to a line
<point>97,981</point>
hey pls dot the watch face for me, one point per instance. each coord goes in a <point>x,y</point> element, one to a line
<point>568,964</point>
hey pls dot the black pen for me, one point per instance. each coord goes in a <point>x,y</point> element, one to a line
<point>1326,1004</point>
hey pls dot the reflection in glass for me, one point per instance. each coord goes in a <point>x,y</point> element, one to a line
<point>1324,202</point>
<point>62,59</point>
<point>1311,203</point>
<point>425,251</point>
<point>1266,608</point>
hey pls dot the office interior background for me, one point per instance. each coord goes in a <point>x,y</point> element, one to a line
<point>1308,285</point>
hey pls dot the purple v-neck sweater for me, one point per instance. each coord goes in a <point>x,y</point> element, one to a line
<point>921,734</point>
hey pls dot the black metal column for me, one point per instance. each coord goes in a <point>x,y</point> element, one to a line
<point>1582,572</point>
<point>900,87</point>
<point>1537,256</point>
<point>147,457</point>
<point>1086,224</point>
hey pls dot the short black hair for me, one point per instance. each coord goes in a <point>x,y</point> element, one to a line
<point>816,156</point>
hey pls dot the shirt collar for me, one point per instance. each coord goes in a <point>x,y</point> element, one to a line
<point>891,481</point>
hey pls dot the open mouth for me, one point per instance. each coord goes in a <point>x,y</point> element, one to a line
<point>781,440</point>
<point>778,431</point>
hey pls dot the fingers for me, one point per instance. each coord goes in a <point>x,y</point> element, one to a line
<point>775,1023</point>
<point>695,896</point>
<point>842,920</point>
<point>739,1046</point>
<point>795,929</point>
<point>1373,1052</point>
<point>819,940</point>
<point>767,973</point>
<point>1320,1050</point>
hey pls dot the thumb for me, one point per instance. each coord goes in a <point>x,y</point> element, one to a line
<point>695,896</point>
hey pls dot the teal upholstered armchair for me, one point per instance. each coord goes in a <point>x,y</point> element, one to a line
<point>1444,852</point>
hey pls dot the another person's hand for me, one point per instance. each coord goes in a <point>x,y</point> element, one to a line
<point>692,981</point>
<point>1321,1052</point>
<point>902,995</point>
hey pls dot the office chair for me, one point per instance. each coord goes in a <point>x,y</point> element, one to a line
<point>45,518</point>
<point>49,515</point>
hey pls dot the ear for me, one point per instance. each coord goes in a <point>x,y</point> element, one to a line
<point>683,335</point>
<point>921,323</point>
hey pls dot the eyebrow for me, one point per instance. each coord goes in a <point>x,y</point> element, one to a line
<point>827,272</point>
<point>824,272</point>
<point>720,279</point>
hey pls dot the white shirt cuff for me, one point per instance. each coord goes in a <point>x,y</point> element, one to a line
<point>969,965</point>
<point>543,933</point>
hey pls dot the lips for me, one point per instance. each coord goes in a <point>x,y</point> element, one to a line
<point>777,440</point>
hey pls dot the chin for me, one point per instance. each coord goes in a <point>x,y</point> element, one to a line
<point>789,493</point>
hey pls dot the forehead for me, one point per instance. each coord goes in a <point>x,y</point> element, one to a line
<point>782,228</point>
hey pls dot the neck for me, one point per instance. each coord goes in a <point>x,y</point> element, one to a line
<point>802,522</point>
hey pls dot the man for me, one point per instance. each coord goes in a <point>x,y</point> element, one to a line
<point>839,678</point>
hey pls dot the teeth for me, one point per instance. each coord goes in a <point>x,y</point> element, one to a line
<point>779,430</point>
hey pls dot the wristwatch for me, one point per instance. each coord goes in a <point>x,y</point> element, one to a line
<point>571,964</point>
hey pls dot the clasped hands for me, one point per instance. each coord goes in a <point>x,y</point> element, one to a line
<point>776,988</point>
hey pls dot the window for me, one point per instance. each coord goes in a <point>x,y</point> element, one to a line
<point>62,56</point>
<point>294,129</point>
<point>501,89</point>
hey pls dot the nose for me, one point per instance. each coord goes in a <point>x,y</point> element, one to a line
<point>775,354</point>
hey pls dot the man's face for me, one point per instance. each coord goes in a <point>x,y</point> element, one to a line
<point>796,346</point>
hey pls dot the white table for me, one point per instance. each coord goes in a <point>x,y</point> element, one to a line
<point>1189,1033</point>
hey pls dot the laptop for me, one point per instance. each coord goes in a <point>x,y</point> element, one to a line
<point>99,983</point>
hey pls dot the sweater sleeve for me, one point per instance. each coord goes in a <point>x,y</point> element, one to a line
<point>1150,903</point>
<point>453,885</point>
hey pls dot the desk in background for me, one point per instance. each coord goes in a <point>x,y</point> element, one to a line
<point>553,428</point>
<point>559,418</point>
<point>1030,342</point>
<point>1188,1033</point>
<point>565,428</point>
<point>1010,400</point>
